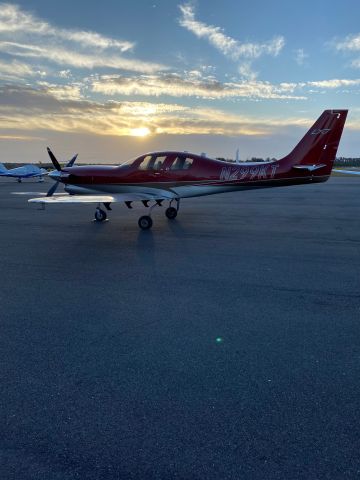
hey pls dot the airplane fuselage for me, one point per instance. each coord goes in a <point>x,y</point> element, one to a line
<point>202,176</point>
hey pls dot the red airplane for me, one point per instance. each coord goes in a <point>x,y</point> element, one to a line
<point>159,177</point>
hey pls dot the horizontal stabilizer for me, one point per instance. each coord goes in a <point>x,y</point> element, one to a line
<point>310,168</point>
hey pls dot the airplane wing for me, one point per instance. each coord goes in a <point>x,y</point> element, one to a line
<point>112,198</point>
<point>351,172</point>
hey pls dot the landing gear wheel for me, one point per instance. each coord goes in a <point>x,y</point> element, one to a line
<point>145,222</point>
<point>100,215</point>
<point>171,213</point>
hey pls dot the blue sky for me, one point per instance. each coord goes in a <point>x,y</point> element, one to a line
<point>114,79</point>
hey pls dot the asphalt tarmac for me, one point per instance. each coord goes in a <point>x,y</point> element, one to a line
<point>222,345</point>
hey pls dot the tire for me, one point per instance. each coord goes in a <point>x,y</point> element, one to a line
<point>145,222</point>
<point>171,213</point>
<point>100,215</point>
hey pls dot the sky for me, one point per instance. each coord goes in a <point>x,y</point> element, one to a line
<point>111,80</point>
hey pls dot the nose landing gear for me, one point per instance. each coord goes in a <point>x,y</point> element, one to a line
<point>100,215</point>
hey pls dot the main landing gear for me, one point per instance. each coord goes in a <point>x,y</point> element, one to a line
<point>171,213</point>
<point>145,222</point>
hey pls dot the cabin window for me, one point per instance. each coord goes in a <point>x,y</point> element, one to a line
<point>152,162</point>
<point>159,162</point>
<point>181,163</point>
<point>188,163</point>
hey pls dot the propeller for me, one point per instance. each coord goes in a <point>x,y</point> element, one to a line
<point>57,166</point>
<point>52,190</point>
<point>54,160</point>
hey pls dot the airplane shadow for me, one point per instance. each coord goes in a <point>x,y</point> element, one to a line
<point>145,246</point>
<point>176,228</point>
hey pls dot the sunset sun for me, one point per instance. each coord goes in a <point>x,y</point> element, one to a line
<point>140,132</point>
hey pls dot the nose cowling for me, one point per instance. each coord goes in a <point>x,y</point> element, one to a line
<point>59,176</point>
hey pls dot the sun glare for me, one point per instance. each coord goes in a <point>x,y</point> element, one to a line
<point>140,132</point>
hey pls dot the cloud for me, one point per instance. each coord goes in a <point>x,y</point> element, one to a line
<point>63,56</point>
<point>226,45</point>
<point>246,71</point>
<point>335,83</point>
<point>174,85</point>
<point>36,112</point>
<point>193,84</point>
<point>356,63</point>
<point>51,108</point>
<point>350,45</point>
<point>15,70</point>
<point>15,20</point>
<point>300,56</point>
<point>25,35</point>
<point>24,138</point>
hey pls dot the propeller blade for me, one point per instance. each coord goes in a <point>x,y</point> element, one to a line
<point>72,161</point>
<point>53,159</point>
<point>52,190</point>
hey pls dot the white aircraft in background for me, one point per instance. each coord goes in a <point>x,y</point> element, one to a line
<point>351,172</point>
<point>26,171</point>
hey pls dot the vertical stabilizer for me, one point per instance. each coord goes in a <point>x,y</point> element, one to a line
<point>316,151</point>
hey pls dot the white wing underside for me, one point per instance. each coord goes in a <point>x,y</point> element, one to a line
<point>121,197</point>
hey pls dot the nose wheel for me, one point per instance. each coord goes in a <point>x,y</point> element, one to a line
<point>100,215</point>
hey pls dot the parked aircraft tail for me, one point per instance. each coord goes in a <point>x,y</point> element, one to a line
<point>3,169</point>
<point>316,151</point>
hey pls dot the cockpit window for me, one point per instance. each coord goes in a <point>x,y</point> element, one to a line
<point>147,163</point>
<point>152,162</point>
<point>181,163</point>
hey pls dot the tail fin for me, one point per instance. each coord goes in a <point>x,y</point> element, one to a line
<point>3,169</point>
<point>316,151</point>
